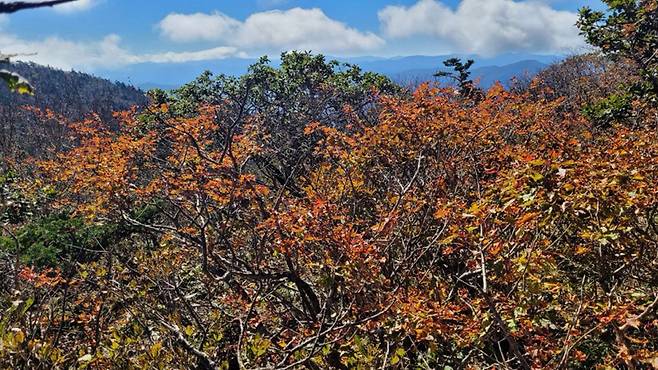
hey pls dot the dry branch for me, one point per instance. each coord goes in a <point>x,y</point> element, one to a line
<point>22,5</point>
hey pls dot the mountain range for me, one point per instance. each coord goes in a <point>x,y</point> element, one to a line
<point>404,70</point>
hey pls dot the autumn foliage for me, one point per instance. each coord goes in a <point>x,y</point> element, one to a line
<point>506,233</point>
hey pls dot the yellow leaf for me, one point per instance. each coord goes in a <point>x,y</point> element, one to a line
<point>86,358</point>
<point>155,349</point>
<point>536,176</point>
<point>19,336</point>
<point>474,208</point>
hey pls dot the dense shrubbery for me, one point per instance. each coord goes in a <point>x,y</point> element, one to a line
<point>446,233</point>
<point>314,216</point>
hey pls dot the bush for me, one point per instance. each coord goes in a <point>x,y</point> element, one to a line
<point>58,240</point>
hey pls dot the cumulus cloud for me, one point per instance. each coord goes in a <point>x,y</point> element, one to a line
<point>486,26</point>
<point>220,52</point>
<point>198,27</point>
<point>105,53</point>
<point>275,30</point>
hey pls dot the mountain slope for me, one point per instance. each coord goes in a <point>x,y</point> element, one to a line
<point>71,94</point>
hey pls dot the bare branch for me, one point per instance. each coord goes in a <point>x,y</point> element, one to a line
<point>22,5</point>
<point>205,359</point>
<point>647,311</point>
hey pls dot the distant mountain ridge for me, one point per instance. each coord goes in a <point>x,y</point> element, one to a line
<point>484,76</point>
<point>403,69</point>
<point>77,93</point>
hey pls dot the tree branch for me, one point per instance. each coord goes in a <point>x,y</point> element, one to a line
<point>21,5</point>
<point>206,361</point>
<point>19,248</point>
<point>647,311</point>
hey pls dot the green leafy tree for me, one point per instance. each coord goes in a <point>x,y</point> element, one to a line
<point>628,31</point>
<point>304,88</point>
<point>461,74</point>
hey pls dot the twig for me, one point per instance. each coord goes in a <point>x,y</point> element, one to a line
<point>647,311</point>
<point>19,249</point>
<point>574,322</point>
<point>388,349</point>
<point>6,8</point>
<point>189,347</point>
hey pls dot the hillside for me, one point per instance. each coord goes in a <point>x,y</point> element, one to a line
<point>71,94</point>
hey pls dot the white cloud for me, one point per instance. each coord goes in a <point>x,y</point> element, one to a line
<point>198,26</point>
<point>486,26</point>
<point>105,53</point>
<point>220,52</point>
<point>275,30</point>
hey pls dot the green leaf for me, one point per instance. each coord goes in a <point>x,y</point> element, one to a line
<point>27,305</point>
<point>16,82</point>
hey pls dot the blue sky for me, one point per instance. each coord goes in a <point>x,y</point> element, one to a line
<point>93,34</point>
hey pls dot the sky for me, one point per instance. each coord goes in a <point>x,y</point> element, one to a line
<point>100,34</point>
